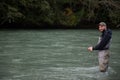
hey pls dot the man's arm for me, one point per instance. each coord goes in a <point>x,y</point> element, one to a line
<point>105,40</point>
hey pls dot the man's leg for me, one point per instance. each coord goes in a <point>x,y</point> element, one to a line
<point>103,56</point>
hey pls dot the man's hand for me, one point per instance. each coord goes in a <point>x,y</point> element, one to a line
<point>90,48</point>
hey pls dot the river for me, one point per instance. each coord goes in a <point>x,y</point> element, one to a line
<point>55,55</point>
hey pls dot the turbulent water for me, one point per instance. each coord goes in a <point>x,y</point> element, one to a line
<point>54,55</point>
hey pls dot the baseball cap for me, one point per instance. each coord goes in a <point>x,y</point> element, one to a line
<point>102,24</point>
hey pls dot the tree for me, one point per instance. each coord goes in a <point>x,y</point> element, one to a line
<point>59,12</point>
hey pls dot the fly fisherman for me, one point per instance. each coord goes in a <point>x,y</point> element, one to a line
<point>103,46</point>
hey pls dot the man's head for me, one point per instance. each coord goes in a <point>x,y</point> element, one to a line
<point>102,26</point>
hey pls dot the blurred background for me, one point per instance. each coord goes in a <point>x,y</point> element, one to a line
<point>59,13</point>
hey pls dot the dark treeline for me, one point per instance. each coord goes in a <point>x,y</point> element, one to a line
<point>59,13</point>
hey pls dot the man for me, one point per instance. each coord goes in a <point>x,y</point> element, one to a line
<point>103,46</point>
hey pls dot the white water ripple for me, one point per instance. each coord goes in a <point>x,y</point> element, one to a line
<point>90,72</point>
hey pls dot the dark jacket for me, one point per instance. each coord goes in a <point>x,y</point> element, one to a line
<point>104,41</point>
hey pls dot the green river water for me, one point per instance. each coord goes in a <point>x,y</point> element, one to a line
<point>55,55</point>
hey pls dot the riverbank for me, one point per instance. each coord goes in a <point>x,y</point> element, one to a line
<point>46,26</point>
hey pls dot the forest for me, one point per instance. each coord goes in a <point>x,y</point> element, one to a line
<point>59,13</point>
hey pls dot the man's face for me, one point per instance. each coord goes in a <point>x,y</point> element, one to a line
<point>102,28</point>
